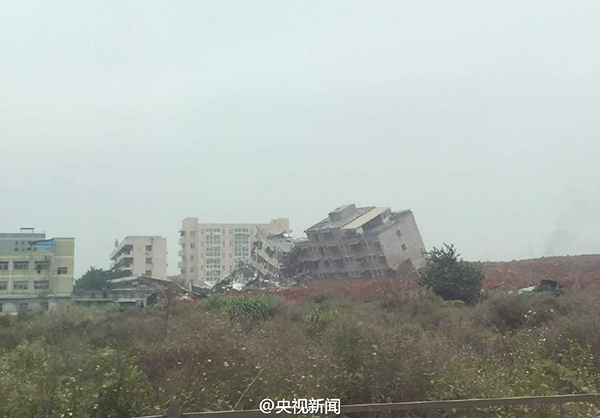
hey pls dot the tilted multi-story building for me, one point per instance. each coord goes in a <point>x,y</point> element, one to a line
<point>141,255</point>
<point>211,251</point>
<point>364,242</point>
<point>35,273</point>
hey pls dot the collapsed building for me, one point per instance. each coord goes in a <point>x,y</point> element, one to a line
<point>138,291</point>
<point>366,242</point>
<point>277,256</point>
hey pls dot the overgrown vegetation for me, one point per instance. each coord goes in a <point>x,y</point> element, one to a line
<point>400,346</point>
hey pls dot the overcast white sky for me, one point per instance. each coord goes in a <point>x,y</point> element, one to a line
<point>123,117</point>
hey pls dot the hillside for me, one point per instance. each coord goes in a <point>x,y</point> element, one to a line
<point>571,271</point>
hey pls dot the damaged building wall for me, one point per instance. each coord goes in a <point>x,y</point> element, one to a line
<point>277,256</point>
<point>363,242</point>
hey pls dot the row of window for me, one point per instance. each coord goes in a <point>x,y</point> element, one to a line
<point>24,285</point>
<point>218,231</point>
<point>24,306</point>
<point>37,265</point>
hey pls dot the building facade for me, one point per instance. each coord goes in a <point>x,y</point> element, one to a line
<point>140,255</point>
<point>364,242</point>
<point>35,273</point>
<point>211,251</point>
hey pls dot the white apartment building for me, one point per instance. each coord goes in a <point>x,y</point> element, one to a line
<point>140,255</point>
<point>35,273</point>
<point>211,251</point>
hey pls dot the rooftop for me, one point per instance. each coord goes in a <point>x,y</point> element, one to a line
<point>328,223</point>
<point>364,218</point>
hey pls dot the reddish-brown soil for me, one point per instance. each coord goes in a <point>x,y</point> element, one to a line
<point>571,271</point>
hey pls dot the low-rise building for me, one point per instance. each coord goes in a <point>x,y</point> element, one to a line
<point>364,242</point>
<point>35,273</point>
<point>140,255</point>
<point>209,252</point>
<point>131,291</point>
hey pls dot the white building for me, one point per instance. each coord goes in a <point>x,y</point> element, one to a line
<point>141,255</point>
<point>210,251</point>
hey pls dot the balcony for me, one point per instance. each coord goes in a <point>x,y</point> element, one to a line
<point>117,252</point>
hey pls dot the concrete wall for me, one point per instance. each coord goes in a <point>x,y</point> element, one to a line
<point>14,305</point>
<point>403,232</point>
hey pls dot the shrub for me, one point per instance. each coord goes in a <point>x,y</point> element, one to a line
<point>318,319</point>
<point>242,308</point>
<point>451,277</point>
<point>424,309</point>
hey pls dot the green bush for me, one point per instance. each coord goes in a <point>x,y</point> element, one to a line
<point>451,277</point>
<point>242,308</point>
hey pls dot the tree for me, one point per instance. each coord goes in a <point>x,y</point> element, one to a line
<point>96,279</point>
<point>450,277</point>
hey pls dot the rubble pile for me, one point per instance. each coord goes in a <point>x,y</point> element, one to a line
<point>248,277</point>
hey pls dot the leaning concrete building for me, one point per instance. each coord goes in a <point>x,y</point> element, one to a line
<point>35,273</point>
<point>364,242</point>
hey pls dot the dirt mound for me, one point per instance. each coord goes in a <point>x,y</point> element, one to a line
<point>571,271</point>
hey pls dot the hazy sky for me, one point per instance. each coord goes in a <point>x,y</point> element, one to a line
<point>123,117</point>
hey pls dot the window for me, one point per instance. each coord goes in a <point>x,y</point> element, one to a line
<point>213,275</point>
<point>1,307</point>
<point>21,265</point>
<point>3,265</point>
<point>20,285</point>
<point>41,265</point>
<point>3,285</point>
<point>148,260</point>
<point>23,306</point>
<point>192,233</point>
<point>45,306</point>
<point>191,269</point>
<point>62,270</point>
<point>212,263</point>
<point>41,284</point>
<point>398,233</point>
<point>213,251</point>
<point>192,245</point>
<point>191,257</point>
<point>213,239</point>
<point>148,248</point>
<point>403,247</point>
<point>148,272</point>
